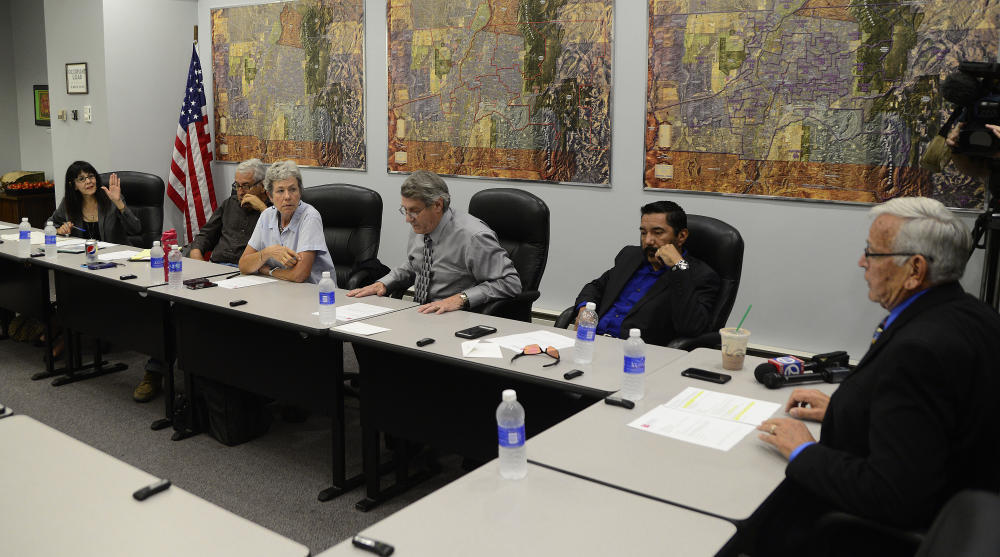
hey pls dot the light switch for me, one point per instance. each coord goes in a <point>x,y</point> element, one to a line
<point>62,114</point>
<point>88,114</point>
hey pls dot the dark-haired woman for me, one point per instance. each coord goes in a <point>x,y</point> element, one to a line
<point>94,212</point>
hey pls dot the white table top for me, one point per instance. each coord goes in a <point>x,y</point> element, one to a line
<point>72,263</point>
<point>279,302</point>
<point>62,497</point>
<point>545,513</point>
<point>604,373</point>
<point>597,443</point>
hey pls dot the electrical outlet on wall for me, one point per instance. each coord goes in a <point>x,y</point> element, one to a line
<point>88,115</point>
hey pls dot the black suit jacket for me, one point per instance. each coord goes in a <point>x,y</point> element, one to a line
<point>917,420</point>
<point>678,304</point>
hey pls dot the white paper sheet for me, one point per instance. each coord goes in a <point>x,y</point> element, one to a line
<point>707,418</point>
<point>359,310</point>
<point>116,255</point>
<point>476,349</point>
<point>541,337</point>
<point>244,281</point>
<point>360,329</point>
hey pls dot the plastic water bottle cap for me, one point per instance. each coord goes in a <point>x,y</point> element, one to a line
<point>326,274</point>
<point>634,333</point>
<point>24,219</point>
<point>509,395</point>
<point>49,223</point>
<point>156,243</point>
<point>591,306</point>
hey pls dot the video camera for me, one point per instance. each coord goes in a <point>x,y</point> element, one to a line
<point>975,89</point>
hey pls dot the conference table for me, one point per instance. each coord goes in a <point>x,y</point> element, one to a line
<point>273,345</point>
<point>728,484</point>
<point>62,497</point>
<point>112,304</point>
<point>544,513</point>
<point>435,396</point>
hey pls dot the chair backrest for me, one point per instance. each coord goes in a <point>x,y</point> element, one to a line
<point>521,222</point>
<point>352,223</point>
<point>965,527</point>
<point>143,193</point>
<point>720,246</point>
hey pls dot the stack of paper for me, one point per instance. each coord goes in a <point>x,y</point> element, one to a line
<point>244,281</point>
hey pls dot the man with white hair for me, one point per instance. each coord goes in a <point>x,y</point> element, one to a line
<point>915,422</point>
<point>227,232</point>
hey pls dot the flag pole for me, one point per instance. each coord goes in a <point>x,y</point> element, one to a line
<point>195,34</point>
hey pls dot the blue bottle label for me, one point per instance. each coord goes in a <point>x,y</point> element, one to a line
<point>156,262</point>
<point>24,235</point>
<point>326,298</point>
<point>584,332</point>
<point>50,240</point>
<point>635,365</point>
<point>175,266</point>
<point>510,437</point>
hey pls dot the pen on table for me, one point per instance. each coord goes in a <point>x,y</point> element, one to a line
<point>234,275</point>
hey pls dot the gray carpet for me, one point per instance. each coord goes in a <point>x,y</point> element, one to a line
<point>272,480</point>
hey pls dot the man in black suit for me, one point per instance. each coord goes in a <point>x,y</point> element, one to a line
<point>656,286</point>
<point>916,421</point>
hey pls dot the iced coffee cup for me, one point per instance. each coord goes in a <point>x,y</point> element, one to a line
<point>734,347</point>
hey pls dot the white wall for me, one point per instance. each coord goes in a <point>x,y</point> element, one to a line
<point>145,86</point>
<point>30,68</point>
<point>800,270</point>
<point>74,31</point>
<point>10,149</point>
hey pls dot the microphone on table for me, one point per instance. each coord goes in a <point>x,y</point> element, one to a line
<point>830,367</point>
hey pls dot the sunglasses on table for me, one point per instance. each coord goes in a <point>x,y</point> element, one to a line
<point>534,349</point>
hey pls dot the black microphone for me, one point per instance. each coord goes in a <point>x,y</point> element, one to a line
<point>774,380</point>
<point>830,367</point>
<point>962,89</point>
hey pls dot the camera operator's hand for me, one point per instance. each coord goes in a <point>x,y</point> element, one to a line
<point>976,167</point>
<point>952,139</point>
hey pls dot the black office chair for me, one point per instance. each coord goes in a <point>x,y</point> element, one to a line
<point>521,222</point>
<point>352,225</point>
<point>965,527</point>
<point>720,246</point>
<point>143,193</point>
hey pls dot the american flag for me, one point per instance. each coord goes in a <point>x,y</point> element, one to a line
<point>190,180</point>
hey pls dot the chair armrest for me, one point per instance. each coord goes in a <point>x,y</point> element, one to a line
<point>565,318</point>
<point>518,307</point>
<point>834,523</point>
<point>710,339</point>
<point>360,278</point>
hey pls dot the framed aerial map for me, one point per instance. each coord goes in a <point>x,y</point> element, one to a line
<point>817,99</point>
<point>289,82</point>
<point>512,89</point>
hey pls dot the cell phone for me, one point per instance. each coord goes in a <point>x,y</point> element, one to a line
<point>572,374</point>
<point>198,283</point>
<point>619,401</point>
<point>476,332</point>
<point>101,265</point>
<point>706,375</point>
<point>379,548</point>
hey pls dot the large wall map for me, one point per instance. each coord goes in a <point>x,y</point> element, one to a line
<point>516,89</point>
<point>289,82</point>
<point>822,99</point>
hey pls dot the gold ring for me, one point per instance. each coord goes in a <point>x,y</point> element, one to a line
<point>773,427</point>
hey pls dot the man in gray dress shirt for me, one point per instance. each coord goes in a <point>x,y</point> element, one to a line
<point>453,259</point>
<point>228,230</point>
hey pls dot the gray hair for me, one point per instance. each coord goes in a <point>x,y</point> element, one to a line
<point>253,166</point>
<point>281,170</point>
<point>427,187</point>
<point>931,230</point>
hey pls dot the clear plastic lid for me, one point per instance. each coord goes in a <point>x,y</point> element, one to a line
<point>509,395</point>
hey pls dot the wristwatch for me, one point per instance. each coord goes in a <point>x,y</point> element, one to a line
<point>465,300</point>
<point>680,266</point>
<point>273,269</point>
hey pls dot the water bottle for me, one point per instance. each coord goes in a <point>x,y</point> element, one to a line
<point>24,238</point>
<point>175,266</point>
<point>50,240</point>
<point>327,310</point>
<point>156,263</point>
<point>633,386</point>
<point>586,330</point>
<point>510,433</point>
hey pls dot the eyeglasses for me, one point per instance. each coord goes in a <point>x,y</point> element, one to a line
<point>411,214</point>
<point>534,349</point>
<point>239,186</point>
<point>869,254</point>
<point>84,178</point>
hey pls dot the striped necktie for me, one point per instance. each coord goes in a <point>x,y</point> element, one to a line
<point>879,329</point>
<point>422,288</point>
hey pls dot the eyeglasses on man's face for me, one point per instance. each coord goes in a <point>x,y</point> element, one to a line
<point>239,186</point>
<point>412,215</point>
<point>869,254</point>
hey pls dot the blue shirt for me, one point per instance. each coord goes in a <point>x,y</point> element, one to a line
<point>641,281</point>
<point>303,233</point>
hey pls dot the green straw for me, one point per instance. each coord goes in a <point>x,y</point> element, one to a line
<point>740,326</point>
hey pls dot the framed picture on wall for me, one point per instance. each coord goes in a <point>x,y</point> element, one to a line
<point>76,78</point>
<point>41,94</point>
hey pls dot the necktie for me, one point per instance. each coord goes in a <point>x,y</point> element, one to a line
<point>879,329</point>
<point>422,288</point>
